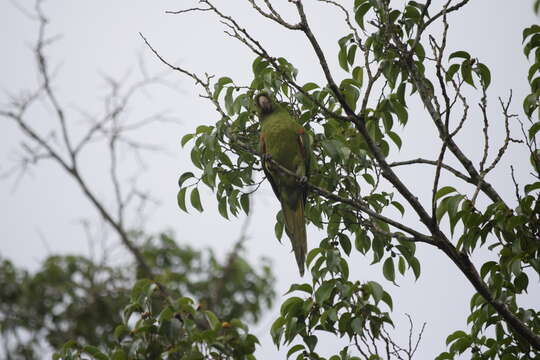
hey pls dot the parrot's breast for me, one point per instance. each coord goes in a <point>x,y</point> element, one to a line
<point>280,134</point>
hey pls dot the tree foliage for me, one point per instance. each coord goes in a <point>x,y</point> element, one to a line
<point>94,304</point>
<point>353,125</point>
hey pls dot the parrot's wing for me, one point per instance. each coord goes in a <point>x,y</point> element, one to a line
<point>269,175</point>
<point>266,169</point>
<point>305,150</point>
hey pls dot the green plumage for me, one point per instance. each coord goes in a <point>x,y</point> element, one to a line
<point>284,139</point>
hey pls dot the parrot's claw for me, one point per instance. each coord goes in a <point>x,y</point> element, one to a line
<point>266,157</point>
<point>302,180</point>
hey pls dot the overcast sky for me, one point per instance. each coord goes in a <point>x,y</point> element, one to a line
<point>41,215</point>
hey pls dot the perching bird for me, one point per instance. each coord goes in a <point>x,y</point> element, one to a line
<point>285,141</point>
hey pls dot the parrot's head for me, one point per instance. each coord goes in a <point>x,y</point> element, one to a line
<point>264,103</point>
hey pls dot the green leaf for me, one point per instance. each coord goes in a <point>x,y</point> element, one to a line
<point>333,224</point>
<point>530,104</point>
<point>466,72</point>
<point>420,52</point>
<point>399,207</point>
<point>278,230</point>
<point>452,70</point>
<point>184,177</point>
<point>533,70</point>
<point>521,282</point>
<point>332,148</point>
<point>515,265</point>
<point>534,129</point>
<point>395,138</point>
<point>294,349</point>
<point>442,208</point>
<point>356,326</point>
<point>95,352</point>
<point>444,191</point>
<point>360,12</point>
<point>166,314</point>
<point>342,58</point>
<point>324,291</point>
<point>400,111</point>
<point>140,288</point>
<point>485,75</point>
<point>461,344</point>
<point>222,207</point>
<point>415,264</point>
<point>300,287</point>
<point>400,93</point>
<point>444,356</point>
<point>358,76</point>
<point>460,54</point>
<point>344,268</point>
<point>369,179</point>
<point>351,54</point>
<point>212,319</point>
<point>181,199</point>
<point>401,265</point>
<point>204,129</point>
<point>455,335</point>
<point>387,299</point>
<point>486,268</point>
<point>531,187</point>
<point>388,269</point>
<point>529,31</point>
<point>224,80</point>
<point>196,157</point>
<point>276,331</point>
<point>196,200</point>
<point>351,94</point>
<point>311,342</point>
<point>310,86</point>
<point>312,254</point>
<point>229,101</point>
<point>258,65</point>
<point>120,331</point>
<point>119,354</point>
<point>376,290</point>
<point>345,243</point>
<point>186,138</point>
<point>533,43</point>
<point>289,306</point>
<point>453,204</point>
<point>244,202</point>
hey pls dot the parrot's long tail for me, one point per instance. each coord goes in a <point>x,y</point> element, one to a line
<point>295,226</point>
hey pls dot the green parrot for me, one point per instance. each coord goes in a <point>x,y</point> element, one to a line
<point>285,141</point>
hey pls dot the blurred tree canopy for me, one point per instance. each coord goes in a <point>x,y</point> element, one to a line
<point>75,298</point>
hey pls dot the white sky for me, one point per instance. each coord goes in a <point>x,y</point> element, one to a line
<point>102,37</point>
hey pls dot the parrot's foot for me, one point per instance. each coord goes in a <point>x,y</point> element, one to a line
<point>266,157</point>
<point>302,180</point>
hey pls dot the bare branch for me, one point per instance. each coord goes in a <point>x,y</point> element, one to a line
<point>43,147</point>
<point>347,20</point>
<point>273,15</point>
<point>439,52</point>
<point>441,13</point>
